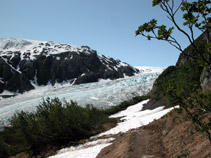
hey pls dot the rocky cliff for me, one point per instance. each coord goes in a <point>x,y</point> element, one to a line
<point>25,63</point>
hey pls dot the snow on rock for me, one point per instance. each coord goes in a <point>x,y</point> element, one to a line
<point>54,62</point>
<point>145,69</point>
<point>34,47</point>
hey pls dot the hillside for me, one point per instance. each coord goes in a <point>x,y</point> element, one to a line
<point>172,136</point>
<point>183,133</point>
<point>129,119</point>
<point>183,79</point>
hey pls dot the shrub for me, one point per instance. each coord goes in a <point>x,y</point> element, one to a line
<point>176,82</point>
<point>181,86</point>
<point>3,149</point>
<point>54,123</point>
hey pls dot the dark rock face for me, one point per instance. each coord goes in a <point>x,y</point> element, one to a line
<point>15,60</point>
<point>50,63</point>
<point>28,67</point>
<point>2,86</point>
<point>12,80</point>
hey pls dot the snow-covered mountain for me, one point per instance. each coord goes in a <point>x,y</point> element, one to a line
<point>102,94</point>
<point>48,69</point>
<point>26,63</point>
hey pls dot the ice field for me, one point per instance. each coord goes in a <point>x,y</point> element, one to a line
<point>101,94</point>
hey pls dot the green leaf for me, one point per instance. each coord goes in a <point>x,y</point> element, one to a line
<point>156,2</point>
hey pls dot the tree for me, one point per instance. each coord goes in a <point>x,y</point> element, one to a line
<point>196,16</point>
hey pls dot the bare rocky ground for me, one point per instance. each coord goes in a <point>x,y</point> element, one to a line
<point>172,136</point>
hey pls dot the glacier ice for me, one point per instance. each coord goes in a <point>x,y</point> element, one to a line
<point>102,94</point>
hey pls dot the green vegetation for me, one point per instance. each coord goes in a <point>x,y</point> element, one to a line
<point>55,123</point>
<point>3,149</point>
<point>180,81</point>
<point>180,84</point>
<point>196,15</point>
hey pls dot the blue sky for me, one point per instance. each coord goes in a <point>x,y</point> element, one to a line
<point>107,26</point>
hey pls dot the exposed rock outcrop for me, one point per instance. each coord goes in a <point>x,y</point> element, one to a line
<point>12,80</point>
<point>40,63</point>
<point>205,79</point>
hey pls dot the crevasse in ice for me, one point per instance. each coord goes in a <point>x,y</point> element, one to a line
<point>102,94</point>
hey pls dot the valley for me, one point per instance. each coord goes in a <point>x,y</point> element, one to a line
<point>102,94</point>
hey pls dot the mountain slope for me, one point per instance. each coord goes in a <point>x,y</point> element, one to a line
<point>188,76</point>
<point>41,63</point>
<point>131,118</point>
<point>172,136</point>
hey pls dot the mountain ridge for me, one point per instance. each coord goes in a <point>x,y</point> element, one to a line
<point>39,62</point>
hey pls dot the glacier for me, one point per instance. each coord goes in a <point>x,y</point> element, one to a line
<point>102,94</point>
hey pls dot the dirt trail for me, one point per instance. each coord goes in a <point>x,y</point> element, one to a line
<point>172,136</point>
<point>169,137</point>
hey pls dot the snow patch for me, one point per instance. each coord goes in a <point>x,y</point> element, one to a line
<point>88,150</point>
<point>94,98</point>
<point>133,118</point>
<point>145,69</point>
<point>31,48</point>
